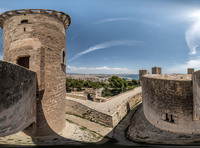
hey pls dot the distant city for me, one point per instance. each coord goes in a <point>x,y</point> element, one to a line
<point>101,77</point>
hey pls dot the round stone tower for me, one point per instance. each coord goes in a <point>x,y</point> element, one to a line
<point>36,39</point>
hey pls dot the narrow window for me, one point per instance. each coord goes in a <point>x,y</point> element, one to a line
<point>171,119</point>
<point>24,29</point>
<point>24,21</point>
<point>23,61</point>
<point>167,117</point>
<point>63,57</point>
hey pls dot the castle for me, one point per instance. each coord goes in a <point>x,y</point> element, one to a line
<point>170,102</point>
<point>33,83</point>
<point>34,39</point>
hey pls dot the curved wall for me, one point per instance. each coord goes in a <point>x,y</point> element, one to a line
<point>168,103</point>
<point>42,38</point>
<point>196,94</point>
<point>17,98</point>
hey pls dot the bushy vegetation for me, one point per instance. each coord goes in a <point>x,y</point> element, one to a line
<point>118,85</point>
<point>115,86</point>
<point>79,85</point>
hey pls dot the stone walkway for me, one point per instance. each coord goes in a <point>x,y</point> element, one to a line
<point>110,106</point>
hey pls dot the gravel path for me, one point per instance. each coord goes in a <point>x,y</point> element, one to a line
<point>110,106</point>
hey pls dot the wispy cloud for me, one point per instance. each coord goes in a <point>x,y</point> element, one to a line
<point>182,68</point>
<point>106,45</point>
<point>1,57</point>
<point>145,21</point>
<point>103,69</point>
<point>192,37</point>
<point>113,19</point>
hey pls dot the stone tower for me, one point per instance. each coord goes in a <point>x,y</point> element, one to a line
<point>36,39</point>
<point>156,70</point>
<point>190,70</point>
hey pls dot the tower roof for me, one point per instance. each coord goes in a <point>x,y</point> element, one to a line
<point>64,17</point>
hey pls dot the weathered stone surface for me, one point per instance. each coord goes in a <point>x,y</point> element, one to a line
<point>40,35</point>
<point>17,98</point>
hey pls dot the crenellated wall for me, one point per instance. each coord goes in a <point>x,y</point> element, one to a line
<point>17,98</point>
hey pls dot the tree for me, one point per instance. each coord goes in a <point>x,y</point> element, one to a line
<point>117,83</point>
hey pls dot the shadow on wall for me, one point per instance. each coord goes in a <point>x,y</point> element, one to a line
<point>17,98</point>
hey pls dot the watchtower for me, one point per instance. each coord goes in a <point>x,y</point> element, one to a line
<point>190,70</point>
<point>141,73</point>
<point>36,39</point>
<point>156,70</point>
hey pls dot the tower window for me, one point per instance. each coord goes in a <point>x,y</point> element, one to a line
<point>171,119</point>
<point>63,57</point>
<point>167,117</point>
<point>23,61</point>
<point>24,21</point>
<point>24,29</point>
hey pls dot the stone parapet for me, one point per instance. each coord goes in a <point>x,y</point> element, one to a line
<point>65,18</point>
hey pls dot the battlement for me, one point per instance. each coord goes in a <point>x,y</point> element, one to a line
<point>65,18</point>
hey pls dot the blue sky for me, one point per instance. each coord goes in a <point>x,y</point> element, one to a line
<point>123,36</point>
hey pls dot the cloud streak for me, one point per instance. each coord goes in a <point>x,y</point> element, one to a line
<point>114,19</point>
<point>145,21</point>
<point>105,45</point>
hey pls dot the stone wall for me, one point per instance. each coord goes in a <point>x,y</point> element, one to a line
<point>43,39</point>
<point>118,115</point>
<point>17,98</point>
<point>75,107</point>
<point>168,102</point>
<point>196,95</point>
<point>77,96</point>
